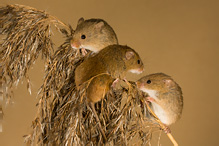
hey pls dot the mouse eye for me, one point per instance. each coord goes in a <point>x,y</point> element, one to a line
<point>83,36</point>
<point>139,61</point>
<point>148,81</point>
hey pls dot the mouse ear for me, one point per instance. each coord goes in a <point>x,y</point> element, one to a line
<point>99,25</point>
<point>129,55</point>
<point>80,20</point>
<point>169,83</point>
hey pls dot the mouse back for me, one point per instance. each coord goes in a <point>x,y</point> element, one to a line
<point>93,34</point>
<point>89,68</point>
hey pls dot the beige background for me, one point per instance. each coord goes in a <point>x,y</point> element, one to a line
<point>177,37</point>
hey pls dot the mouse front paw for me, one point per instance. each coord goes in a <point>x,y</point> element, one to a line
<point>166,129</point>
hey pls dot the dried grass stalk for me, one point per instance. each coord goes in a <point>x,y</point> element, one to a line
<point>58,81</point>
<point>27,32</point>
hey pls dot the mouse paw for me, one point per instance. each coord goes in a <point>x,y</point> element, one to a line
<point>83,51</point>
<point>115,82</point>
<point>150,99</point>
<point>167,129</point>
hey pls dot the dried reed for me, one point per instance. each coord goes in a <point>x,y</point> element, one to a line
<point>27,33</point>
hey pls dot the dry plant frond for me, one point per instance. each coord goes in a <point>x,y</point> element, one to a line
<point>27,32</point>
<point>57,89</point>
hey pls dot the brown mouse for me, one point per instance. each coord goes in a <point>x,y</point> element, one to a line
<point>102,69</point>
<point>165,96</point>
<point>93,34</point>
<point>115,60</point>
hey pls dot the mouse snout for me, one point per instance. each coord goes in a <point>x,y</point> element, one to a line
<point>141,69</point>
<point>138,84</point>
<point>75,44</point>
<point>136,71</point>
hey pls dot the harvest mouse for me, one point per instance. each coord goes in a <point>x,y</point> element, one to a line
<point>93,34</point>
<point>165,96</point>
<point>102,69</point>
<point>115,60</point>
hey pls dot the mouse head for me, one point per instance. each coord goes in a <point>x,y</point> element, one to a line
<point>159,82</point>
<point>164,94</point>
<point>93,34</point>
<point>133,61</point>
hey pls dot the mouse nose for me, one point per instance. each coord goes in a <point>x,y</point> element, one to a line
<point>75,44</point>
<point>137,84</point>
<point>141,69</point>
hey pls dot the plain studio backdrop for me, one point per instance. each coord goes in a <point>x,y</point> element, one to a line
<point>179,38</point>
